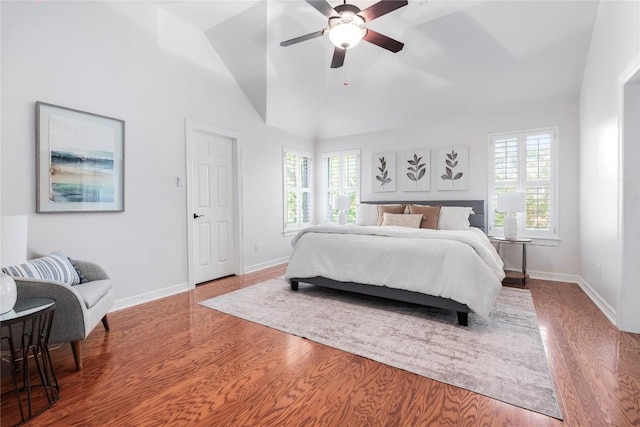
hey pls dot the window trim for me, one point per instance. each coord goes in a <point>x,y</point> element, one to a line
<point>554,232</point>
<point>291,229</point>
<point>325,187</point>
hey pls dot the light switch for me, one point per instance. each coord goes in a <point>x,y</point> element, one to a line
<point>180,181</point>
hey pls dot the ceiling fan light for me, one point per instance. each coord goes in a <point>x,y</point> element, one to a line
<point>346,35</point>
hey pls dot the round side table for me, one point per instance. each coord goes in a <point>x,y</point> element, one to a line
<point>519,241</point>
<point>25,333</point>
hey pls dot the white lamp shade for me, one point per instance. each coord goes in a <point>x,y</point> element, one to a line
<point>14,239</point>
<point>347,30</point>
<point>345,35</point>
<point>511,202</point>
<point>342,203</point>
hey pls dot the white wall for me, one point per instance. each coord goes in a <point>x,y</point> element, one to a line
<point>473,131</point>
<point>135,62</point>
<point>615,44</point>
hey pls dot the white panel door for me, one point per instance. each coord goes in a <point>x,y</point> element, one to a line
<point>212,206</point>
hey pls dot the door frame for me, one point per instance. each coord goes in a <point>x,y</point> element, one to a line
<point>628,309</point>
<point>192,126</point>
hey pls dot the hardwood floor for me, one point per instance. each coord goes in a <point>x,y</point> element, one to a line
<point>173,362</point>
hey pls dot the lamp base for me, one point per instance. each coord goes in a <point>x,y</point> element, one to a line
<point>342,217</point>
<point>510,226</point>
<point>8,293</point>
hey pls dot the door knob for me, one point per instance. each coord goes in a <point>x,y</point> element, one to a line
<point>196,216</point>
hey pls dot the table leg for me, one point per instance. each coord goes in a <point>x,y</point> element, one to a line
<point>524,263</point>
<point>30,339</point>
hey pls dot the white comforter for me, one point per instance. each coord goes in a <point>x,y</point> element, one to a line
<point>460,265</point>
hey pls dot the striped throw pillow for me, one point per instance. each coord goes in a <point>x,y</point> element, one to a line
<point>54,266</point>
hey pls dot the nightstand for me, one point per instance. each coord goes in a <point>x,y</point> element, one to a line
<point>520,277</point>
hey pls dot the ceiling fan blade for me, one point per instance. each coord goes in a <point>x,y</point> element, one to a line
<point>323,7</point>
<point>383,41</point>
<point>338,57</point>
<point>303,38</point>
<point>382,8</point>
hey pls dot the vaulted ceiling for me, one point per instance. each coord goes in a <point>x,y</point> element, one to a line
<point>459,57</point>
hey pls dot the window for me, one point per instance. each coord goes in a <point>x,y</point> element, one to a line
<point>525,162</point>
<point>341,176</point>
<point>298,205</point>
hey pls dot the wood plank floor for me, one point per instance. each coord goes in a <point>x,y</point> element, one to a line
<point>173,362</point>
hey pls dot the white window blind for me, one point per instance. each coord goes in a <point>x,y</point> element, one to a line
<point>525,162</point>
<point>341,177</point>
<point>298,184</point>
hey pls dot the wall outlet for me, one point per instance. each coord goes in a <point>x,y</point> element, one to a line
<point>257,247</point>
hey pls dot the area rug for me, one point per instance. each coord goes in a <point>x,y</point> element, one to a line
<point>501,356</point>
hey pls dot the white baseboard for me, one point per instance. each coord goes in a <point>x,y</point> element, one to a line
<point>182,287</point>
<point>556,277</point>
<point>149,296</point>
<point>267,264</point>
<point>594,296</point>
<point>604,306</point>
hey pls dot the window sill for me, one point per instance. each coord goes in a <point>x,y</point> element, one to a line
<point>546,241</point>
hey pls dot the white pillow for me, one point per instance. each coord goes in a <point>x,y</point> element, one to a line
<point>403,220</point>
<point>454,218</point>
<point>366,214</point>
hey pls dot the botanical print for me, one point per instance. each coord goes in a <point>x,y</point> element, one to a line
<point>384,172</point>
<point>453,168</point>
<point>82,161</point>
<point>416,173</point>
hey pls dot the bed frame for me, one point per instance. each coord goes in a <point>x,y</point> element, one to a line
<point>477,220</point>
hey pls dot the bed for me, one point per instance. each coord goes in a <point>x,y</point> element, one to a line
<point>456,270</point>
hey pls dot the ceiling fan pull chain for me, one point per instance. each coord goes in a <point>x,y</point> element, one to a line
<point>346,83</point>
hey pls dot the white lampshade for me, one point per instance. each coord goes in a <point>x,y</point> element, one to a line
<point>342,203</point>
<point>511,202</point>
<point>14,232</point>
<point>346,31</point>
<point>13,250</point>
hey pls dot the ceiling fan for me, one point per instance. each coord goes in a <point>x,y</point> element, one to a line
<point>346,27</point>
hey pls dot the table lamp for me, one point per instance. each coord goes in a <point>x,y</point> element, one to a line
<point>342,204</point>
<point>511,203</point>
<point>13,251</point>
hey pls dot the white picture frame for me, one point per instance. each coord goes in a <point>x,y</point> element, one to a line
<point>452,167</point>
<point>415,170</point>
<point>383,172</point>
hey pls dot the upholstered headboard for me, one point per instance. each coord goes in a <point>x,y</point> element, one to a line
<point>477,220</point>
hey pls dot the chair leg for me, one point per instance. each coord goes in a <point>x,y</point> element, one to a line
<point>77,354</point>
<point>105,323</point>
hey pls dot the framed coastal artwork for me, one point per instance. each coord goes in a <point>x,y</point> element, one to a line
<point>453,168</point>
<point>416,170</point>
<point>79,161</point>
<point>383,168</point>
